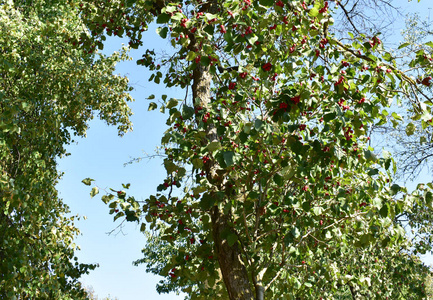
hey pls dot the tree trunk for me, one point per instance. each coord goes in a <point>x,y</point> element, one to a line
<point>232,268</point>
<point>234,273</point>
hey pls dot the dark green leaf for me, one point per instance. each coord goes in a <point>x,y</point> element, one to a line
<point>232,239</point>
<point>163,18</point>
<point>258,124</point>
<point>384,210</point>
<point>278,179</point>
<point>207,201</point>
<point>162,31</point>
<point>152,106</point>
<point>228,158</point>
<point>267,3</point>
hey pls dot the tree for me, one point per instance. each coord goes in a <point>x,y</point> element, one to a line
<point>366,17</point>
<point>280,189</point>
<point>410,140</point>
<point>49,90</point>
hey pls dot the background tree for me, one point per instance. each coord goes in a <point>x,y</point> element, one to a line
<point>410,140</point>
<point>367,17</point>
<point>281,191</point>
<point>49,90</point>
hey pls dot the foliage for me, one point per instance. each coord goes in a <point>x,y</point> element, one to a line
<point>410,140</point>
<point>271,184</point>
<point>429,287</point>
<point>49,89</point>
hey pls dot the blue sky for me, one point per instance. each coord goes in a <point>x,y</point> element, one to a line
<point>102,155</point>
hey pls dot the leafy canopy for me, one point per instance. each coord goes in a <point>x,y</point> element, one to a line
<point>271,183</point>
<point>49,89</point>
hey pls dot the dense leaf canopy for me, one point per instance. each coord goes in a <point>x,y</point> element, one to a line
<point>272,187</point>
<point>49,89</point>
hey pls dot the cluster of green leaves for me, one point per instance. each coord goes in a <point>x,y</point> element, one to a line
<point>279,146</point>
<point>49,89</point>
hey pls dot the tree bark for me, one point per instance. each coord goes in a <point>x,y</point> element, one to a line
<point>234,273</point>
<point>232,268</point>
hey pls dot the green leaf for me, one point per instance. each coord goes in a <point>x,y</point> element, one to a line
<point>228,37</point>
<point>339,153</point>
<point>228,158</point>
<point>163,18</point>
<point>170,166</point>
<point>247,127</point>
<point>396,116</point>
<point>210,16</point>
<point>370,156</point>
<point>94,191</point>
<point>403,45</point>
<point>143,227</point>
<point>232,239</point>
<point>87,181</point>
<point>429,198</point>
<point>252,39</point>
<point>296,283</point>
<point>278,179</point>
<point>209,29</point>
<point>328,117</point>
<point>306,206</point>
<point>213,146</point>
<point>267,3</point>
<point>152,106</point>
<point>172,103</point>
<point>105,199</point>
<point>131,216</point>
<point>177,16</point>
<point>410,129</point>
<point>387,56</point>
<point>187,112</point>
<point>317,210</point>
<point>191,56</point>
<point>384,210</point>
<point>197,163</point>
<point>258,124</point>
<point>162,31</point>
<point>207,201</point>
<point>205,61</point>
<point>313,12</point>
<point>118,215</point>
<point>373,171</point>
